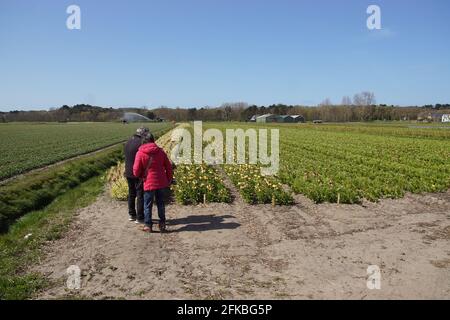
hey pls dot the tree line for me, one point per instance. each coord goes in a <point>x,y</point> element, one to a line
<point>361,108</point>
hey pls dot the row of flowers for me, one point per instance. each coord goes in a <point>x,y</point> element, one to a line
<point>199,184</point>
<point>255,188</point>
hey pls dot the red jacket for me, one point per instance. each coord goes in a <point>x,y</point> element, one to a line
<point>157,174</point>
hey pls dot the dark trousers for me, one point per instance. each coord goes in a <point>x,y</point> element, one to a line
<point>150,197</point>
<point>135,192</point>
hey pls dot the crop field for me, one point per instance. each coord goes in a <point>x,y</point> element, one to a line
<point>27,146</point>
<point>327,163</point>
<point>338,163</point>
<point>230,215</point>
<point>348,163</point>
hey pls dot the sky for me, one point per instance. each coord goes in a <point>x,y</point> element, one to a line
<point>194,53</point>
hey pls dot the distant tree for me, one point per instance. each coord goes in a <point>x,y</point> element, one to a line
<point>227,113</point>
<point>326,102</point>
<point>150,115</point>
<point>218,115</point>
<point>192,114</point>
<point>346,101</point>
<point>364,98</point>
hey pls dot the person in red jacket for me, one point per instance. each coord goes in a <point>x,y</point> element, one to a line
<point>153,166</point>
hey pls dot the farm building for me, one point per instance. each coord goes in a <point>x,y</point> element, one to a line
<point>285,119</point>
<point>253,118</point>
<point>267,118</point>
<point>280,118</point>
<point>298,118</point>
<point>445,118</point>
<point>438,117</point>
<point>433,117</point>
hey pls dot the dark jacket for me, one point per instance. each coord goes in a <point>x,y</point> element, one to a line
<point>131,148</point>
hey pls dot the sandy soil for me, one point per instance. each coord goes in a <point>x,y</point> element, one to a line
<point>222,251</point>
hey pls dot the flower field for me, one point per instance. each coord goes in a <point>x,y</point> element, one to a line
<point>199,184</point>
<point>327,163</point>
<point>348,163</point>
<point>255,188</point>
<point>194,183</point>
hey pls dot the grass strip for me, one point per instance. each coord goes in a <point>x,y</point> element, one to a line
<point>18,253</point>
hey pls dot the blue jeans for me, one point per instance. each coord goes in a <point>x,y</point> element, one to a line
<point>149,197</point>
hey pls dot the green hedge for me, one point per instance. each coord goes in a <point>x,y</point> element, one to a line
<point>36,190</point>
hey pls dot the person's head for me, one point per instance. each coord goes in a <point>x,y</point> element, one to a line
<point>148,138</point>
<point>140,132</point>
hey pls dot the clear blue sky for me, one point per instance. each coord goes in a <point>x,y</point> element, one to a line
<point>206,52</point>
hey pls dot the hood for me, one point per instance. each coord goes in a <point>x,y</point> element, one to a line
<point>149,148</point>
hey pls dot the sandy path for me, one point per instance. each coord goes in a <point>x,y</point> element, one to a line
<point>240,251</point>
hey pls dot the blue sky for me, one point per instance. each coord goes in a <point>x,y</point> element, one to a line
<point>207,52</point>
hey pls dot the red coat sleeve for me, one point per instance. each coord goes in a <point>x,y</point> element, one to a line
<point>138,168</point>
<point>168,167</point>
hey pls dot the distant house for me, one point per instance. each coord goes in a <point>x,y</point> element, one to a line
<point>280,118</point>
<point>436,117</point>
<point>439,117</point>
<point>267,118</point>
<point>298,118</point>
<point>253,118</point>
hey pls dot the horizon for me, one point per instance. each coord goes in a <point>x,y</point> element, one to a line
<point>202,53</point>
<point>149,108</point>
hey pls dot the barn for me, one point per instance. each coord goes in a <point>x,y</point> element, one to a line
<point>267,118</point>
<point>298,118</point>
<point>285,119</point>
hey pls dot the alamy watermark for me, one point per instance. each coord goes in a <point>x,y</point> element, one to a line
<point>73,277</point>
<point>374,277</point>
<point>374,20</point>
<point>73,21</point>
<point>210,147</point>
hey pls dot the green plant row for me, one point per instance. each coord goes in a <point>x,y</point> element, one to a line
<point>255,188</point>
<point>199,184</point>
<point>26,146</point>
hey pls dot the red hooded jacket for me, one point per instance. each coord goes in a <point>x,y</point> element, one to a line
<point>152,165</point>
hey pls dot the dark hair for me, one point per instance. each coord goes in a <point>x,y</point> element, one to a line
<point>148,137</point>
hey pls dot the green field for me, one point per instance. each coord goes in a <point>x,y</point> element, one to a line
<point>26,146</point>
<point>343,163</point>
<point>349,162</point>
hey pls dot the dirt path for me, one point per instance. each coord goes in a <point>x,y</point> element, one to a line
<point>238,251</point>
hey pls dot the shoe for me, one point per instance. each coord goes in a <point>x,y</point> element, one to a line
<point>131,219</point>
<point>147,229</point>
<point>162,227</point>
<point>137,221</point>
